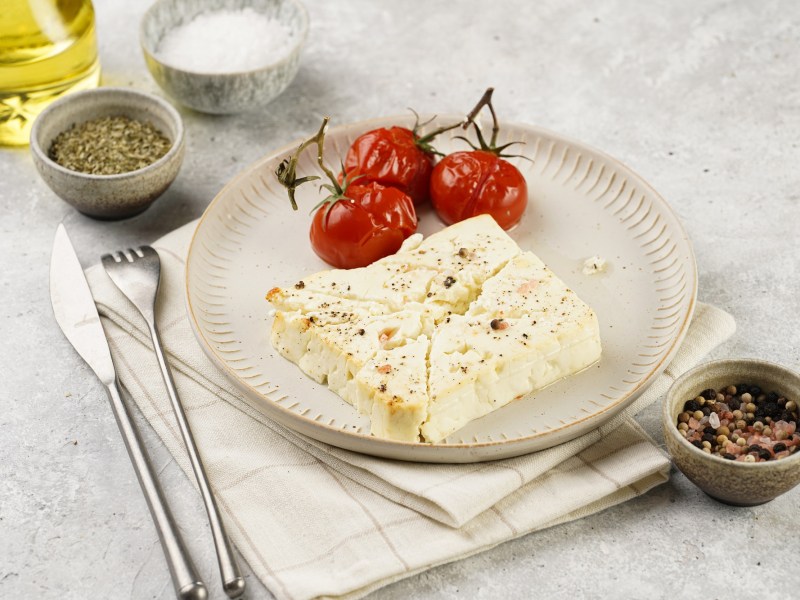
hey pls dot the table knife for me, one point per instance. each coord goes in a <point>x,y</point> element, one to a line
<point>76,314</point>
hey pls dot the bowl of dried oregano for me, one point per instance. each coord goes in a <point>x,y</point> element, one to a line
<point>109,152</point>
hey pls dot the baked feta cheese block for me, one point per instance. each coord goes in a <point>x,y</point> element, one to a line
<point>444,331</point>
<point>525,331</point>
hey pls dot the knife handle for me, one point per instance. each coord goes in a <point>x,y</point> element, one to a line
<point>188,585</point>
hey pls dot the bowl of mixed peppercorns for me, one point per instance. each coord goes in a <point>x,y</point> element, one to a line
<point>731,427</point>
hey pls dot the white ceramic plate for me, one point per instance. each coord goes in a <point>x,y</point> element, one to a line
<point>582,203</point>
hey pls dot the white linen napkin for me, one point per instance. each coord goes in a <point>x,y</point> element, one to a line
<point>317,521</point>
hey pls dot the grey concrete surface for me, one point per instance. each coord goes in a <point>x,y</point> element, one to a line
<point>701,97</point>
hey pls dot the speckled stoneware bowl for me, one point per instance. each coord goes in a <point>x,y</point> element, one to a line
<point>108,196</point>
<point>731,482</point>
<point>222,93</point>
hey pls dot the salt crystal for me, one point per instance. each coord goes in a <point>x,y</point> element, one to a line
<point>713,420</point>
<point>226,41</point>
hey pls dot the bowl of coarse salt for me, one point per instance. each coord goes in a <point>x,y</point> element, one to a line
<point>224,56</point>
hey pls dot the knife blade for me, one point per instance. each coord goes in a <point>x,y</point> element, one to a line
<point>75,309</point>
<point>76,315</point>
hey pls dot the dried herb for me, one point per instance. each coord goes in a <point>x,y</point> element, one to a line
<point>109,146</point>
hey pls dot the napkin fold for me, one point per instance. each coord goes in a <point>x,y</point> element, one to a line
<point>313,520</point>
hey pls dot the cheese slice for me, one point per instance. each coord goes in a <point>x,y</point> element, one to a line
<point>333,354</point>
<point>392,389</point>
<point>438,275</point>
<point>443,332</point>
<point>525,331</point>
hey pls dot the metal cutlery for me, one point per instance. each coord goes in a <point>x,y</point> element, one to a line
<point>137,274</point>
<point>76,314</point>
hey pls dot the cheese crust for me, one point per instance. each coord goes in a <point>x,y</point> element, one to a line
<point>446,330</point>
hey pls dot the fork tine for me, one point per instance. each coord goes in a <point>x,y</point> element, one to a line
<point>130,254</point>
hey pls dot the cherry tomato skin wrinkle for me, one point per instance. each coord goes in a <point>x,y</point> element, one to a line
<point>390,156</point>
<point>370,223</point>
<point>476,182</point>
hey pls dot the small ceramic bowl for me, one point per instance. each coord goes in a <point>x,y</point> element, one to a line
<point>229,92</point>
<point>108,196</point>
<point>732,482</point>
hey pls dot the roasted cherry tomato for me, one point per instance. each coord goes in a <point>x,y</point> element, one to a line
<point>393,156</point>
<point>370,222</point>
<point>476,182</point>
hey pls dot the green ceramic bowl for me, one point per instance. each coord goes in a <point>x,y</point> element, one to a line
<point>731,482</point>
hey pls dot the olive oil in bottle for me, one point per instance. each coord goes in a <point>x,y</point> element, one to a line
<point>47,49</point>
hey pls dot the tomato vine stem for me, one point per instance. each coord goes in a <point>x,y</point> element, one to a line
<point>423,142</point>
<point>486,101</point>
<point>286,172</point>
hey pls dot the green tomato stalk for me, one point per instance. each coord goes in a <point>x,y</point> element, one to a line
<point>491,146</point>
<point>286,172</point>
<point>423,142</point>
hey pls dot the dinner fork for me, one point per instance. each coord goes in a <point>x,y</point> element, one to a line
<point>137,274</point>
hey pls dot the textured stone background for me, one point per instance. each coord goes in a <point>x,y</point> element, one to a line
<point>700,97</point>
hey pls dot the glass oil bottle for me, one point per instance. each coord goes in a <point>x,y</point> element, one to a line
<point>47,49</point>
